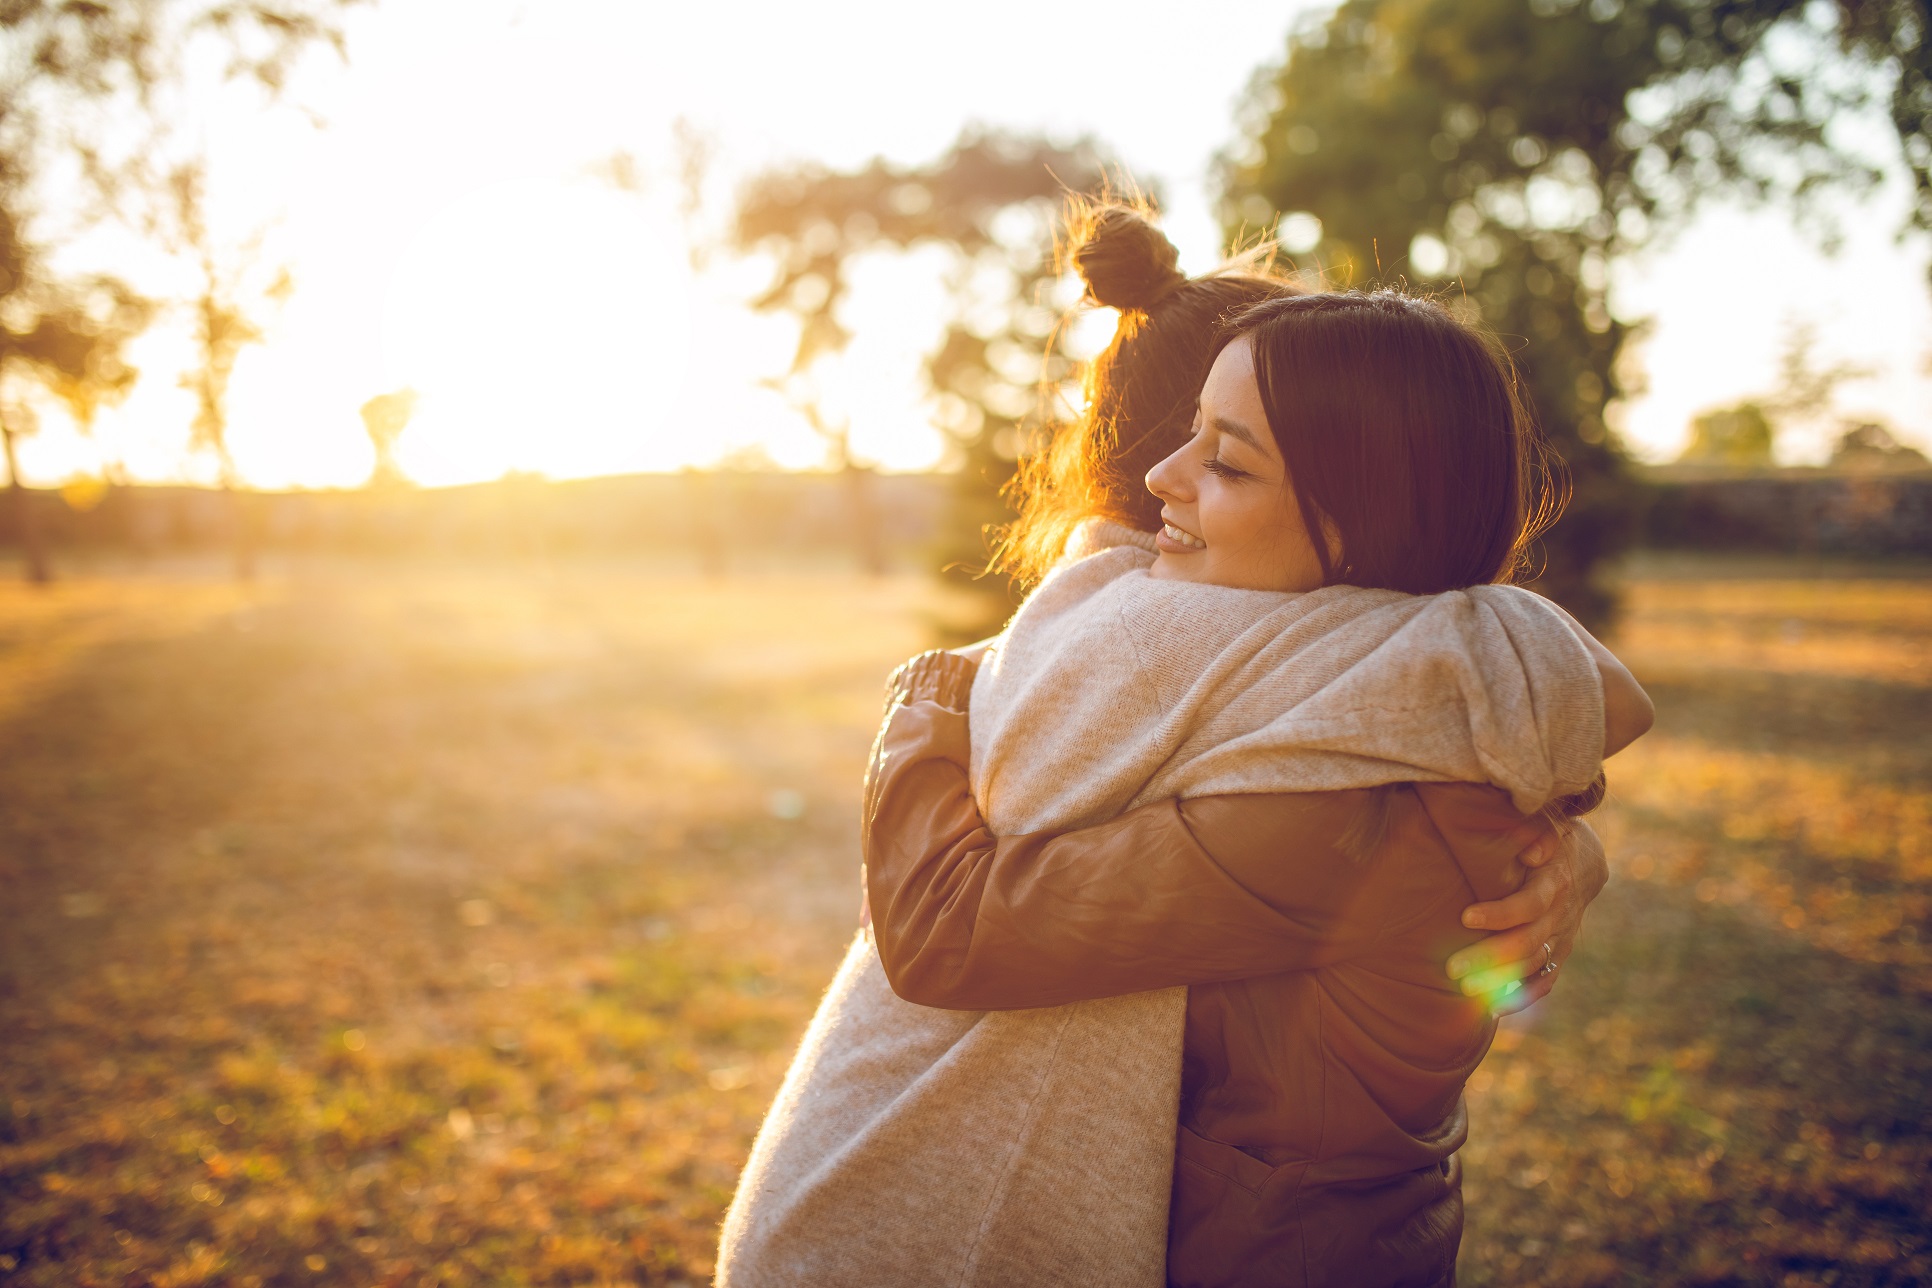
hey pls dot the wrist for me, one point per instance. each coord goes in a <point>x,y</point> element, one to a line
<point>1591,864</point>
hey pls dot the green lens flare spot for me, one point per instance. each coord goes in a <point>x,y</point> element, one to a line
<point>1497,996</point>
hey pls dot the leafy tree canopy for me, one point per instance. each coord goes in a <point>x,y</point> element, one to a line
<point>79,91</point>
<point>1505,151</point>
<point>992,202</point>
<point>1869,445</point>
<point>1735,436</point>
<point>78,83</point>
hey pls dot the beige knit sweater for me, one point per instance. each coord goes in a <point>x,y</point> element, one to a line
<point>1006,1149</point>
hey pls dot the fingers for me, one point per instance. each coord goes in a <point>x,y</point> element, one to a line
<point>1522,943</point>
<point>1532,992</point>
<point>1506,996</point>
<point>1506,964</point>
<point>1487,979</point>
<point>1499,952</point>
<point>1492,984</point>
<point>1522,924</point>
<point>1517,952</point>
<point>1512,986</point>
<point>1572,892</point>
<point>1521,908</point>
<point>1540,843</point>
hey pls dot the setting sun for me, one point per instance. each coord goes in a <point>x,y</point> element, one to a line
<point>547,327</point>
<point>444,207</point>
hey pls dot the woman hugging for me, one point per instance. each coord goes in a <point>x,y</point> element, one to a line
<point>1172,973</point>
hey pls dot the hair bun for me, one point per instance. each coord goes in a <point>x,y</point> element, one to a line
<point>1126,262</point>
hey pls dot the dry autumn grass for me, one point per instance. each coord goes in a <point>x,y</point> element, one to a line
<point>401,928</point>
<point>1734,1084</point>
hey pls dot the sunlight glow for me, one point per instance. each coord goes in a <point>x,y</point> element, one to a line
<point>448,230</point>
<point>542,326</point>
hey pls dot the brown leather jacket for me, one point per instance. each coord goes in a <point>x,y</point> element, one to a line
<point>1325,1049</point>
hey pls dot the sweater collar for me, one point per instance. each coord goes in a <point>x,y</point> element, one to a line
<point>1095,535</point>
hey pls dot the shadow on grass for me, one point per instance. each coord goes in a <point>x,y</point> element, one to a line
<point>1708,1099</point>
<point>1839,722</point>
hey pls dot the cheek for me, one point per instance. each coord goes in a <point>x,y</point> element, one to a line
<point>1243,516</point>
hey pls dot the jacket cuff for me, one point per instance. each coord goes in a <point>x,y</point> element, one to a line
<point>936,676</point>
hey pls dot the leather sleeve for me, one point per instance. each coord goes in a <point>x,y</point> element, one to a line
<point>1483,832</point>
<point>1191,892</point>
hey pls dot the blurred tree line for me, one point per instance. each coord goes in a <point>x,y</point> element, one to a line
<point>1501,153</point>
<point>1505,152</point>
<point>86,117</point>
<point>1745,435</point>
<point>998,372</point>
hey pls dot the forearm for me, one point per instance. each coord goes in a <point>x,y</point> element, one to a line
<point>1590,865</point>
<point>971,921</point>
<point>967,920</point>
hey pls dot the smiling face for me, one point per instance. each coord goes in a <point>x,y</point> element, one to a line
<point>1227,505</point>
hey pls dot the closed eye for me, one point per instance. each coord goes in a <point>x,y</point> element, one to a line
<point>1221,468</point>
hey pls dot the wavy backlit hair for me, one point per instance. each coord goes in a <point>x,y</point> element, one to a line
<point>1140,390</point>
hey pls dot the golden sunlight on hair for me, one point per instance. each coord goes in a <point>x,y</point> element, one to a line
<point>1139,391</point>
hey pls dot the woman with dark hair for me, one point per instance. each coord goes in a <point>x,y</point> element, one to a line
<point>1342,444</point>
<point>1204,706</point>
<point>1141,392</point>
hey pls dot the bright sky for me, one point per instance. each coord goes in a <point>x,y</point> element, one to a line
<point>445,232</point>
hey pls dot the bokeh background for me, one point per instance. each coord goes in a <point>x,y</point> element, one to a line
<point>471,466</point>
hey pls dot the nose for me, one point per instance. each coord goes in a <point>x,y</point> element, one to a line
<point>1170,479</point>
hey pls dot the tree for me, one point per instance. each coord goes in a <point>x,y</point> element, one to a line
<point>227,294</point>
<point>386,416</point>
<point>1739,436</point>
<point>64,338</point>
<point>1504,152</point>
<point>1868,445</point>
<point>991,202</point>
<point>1744,436</point>
<point>1806,389</point>
<point>80,97</point>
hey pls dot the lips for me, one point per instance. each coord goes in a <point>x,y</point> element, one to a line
<point>1182,537</point>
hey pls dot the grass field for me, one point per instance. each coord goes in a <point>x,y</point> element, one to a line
<point>400,928</point>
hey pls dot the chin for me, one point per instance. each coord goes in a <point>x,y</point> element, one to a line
<point>1175,567</point>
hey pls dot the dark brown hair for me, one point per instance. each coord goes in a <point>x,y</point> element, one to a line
<point>1140,391</point>
<point>1405,436</point>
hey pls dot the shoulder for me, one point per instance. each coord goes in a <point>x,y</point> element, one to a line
<point>1515,604</point>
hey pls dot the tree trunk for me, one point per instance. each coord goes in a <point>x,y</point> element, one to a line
<point>26,515</point>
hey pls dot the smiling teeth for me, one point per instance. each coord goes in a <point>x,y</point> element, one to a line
<point>1185,538</point>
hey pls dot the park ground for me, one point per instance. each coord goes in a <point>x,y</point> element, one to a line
<point>407,925</point>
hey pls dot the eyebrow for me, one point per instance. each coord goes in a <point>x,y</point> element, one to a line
<point>1238,430</point>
